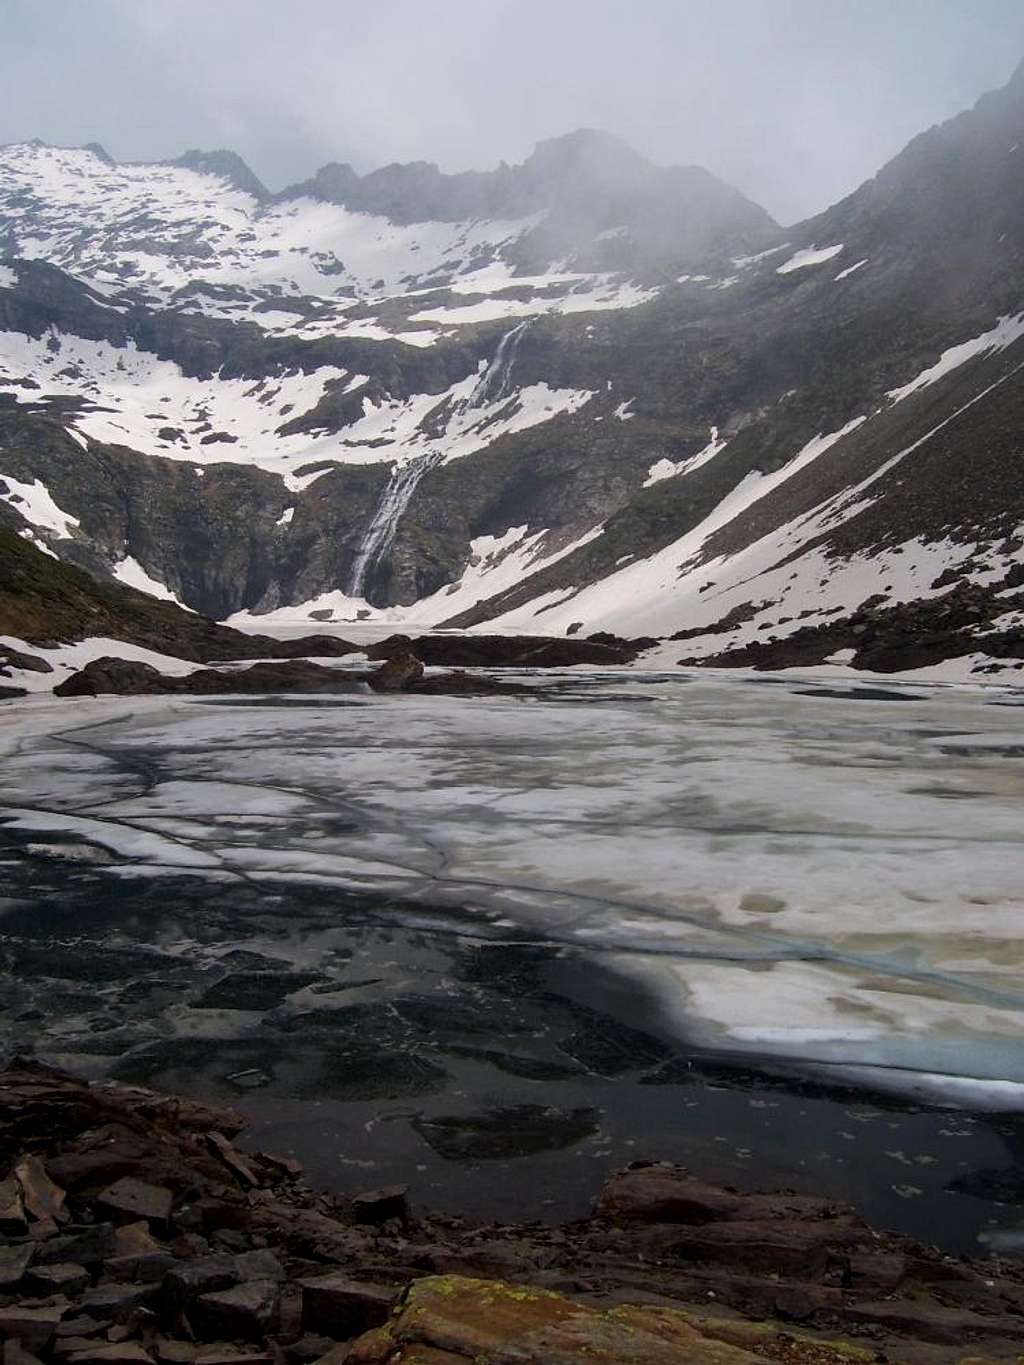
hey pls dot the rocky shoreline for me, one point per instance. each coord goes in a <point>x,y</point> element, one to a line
<point>133,1231</point>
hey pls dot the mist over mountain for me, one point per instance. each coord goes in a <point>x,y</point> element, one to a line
<point>584,392</point>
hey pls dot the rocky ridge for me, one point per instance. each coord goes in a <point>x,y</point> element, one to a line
<point>133,1229</point>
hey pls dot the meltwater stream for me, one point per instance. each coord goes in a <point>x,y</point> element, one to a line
<point>767,927</point>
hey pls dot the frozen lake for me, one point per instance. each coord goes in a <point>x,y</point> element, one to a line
<point>766,925</point>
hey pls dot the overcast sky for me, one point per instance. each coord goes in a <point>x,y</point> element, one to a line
<point>793,101</point>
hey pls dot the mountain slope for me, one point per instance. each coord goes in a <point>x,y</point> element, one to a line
<point>583,392</point>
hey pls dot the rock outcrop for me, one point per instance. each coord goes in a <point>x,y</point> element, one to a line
<point>134,1231</point>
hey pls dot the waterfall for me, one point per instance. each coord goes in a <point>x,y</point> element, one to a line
<point>494,384</point>
<point>380,533</point>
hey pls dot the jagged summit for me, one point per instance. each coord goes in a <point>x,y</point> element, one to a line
<point>585,167</point>
<point>228,166</point>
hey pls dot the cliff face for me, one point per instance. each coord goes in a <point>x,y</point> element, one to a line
<point>582,392</point>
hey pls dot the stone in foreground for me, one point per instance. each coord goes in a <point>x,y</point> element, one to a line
<point>339,1307</point>
<point>377,1206</point>
<point>449,1320</point>
<point>136,1199</point>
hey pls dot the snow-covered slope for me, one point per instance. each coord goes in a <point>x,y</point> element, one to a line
<point>584,393</point>
<point>203,238</point>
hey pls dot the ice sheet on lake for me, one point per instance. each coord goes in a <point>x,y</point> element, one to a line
<point>828,878</point>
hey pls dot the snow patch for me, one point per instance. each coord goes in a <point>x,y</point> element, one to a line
<point>130,572</point>
<point>851,268</point>
<point>668,469</point>
<point>1006,331</point>
<point>35,504</point>
<point>809,255</point>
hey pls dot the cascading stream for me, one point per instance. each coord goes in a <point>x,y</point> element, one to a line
<point>495,382</point>
<point>380,533</point>
<point>493,385</point>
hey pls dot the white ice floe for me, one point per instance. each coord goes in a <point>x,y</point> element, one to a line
<point>824,878</point>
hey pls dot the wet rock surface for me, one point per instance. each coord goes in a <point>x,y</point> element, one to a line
<point>198,1252</point>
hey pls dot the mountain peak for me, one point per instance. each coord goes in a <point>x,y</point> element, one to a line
<point>585,146</point>
<point>228,166</point>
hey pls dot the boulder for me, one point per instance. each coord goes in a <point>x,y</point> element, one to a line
<point>14,1262</point>
<point>134,1199</point>
<point>336,1306</point>
<point>17,658</point>
<point>260,1264</point>
<point>63,1278</point>
<point>41,1197</point>
<point>85,1246</point>
<point>239,1166</point>
<point>664,1194</point>
<point>112,1353</point>
<point>14,1353</point>
<point>12,1209</point>
<point>116,1302</point>
<point>378,1206</point>
<point>175,1352</point>
<point>188,1280</point>
<point>246,1312</point>
<point>397,674</point>
<point>33,1327</point>
<point>109,676</point>
<point>135,1239</point>
<point>146,1267</point>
